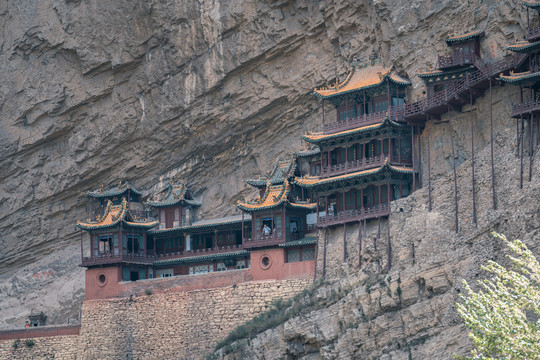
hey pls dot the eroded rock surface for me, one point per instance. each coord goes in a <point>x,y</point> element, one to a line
<point>208,91</point>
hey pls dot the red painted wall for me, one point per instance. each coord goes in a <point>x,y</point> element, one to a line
<point>95,290</point>
<point>278,269</point>
<point>39,331</point>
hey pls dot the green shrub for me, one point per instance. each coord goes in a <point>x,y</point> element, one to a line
<point>29,343</point>
<point>16,344</point>
<point>148,291</point>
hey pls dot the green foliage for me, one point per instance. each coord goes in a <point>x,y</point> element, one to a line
<point>29,343</point>
<point>16,344</point>
<point>497,314</point>
<point>148,291</point>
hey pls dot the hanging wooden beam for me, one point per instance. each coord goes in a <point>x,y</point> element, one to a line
<point>344,242</point>
<point>316,254</point>
<point>455,181</point>
<point>324,253</point>
<point>521,154</point>
<point>472,161</point>
<point>413,156</point>
<point>360,244</point>
<point>389,244</point>
<point>530,147</point>
<point>419,159</point>
<point>491,140</point>
<point>429,163</point>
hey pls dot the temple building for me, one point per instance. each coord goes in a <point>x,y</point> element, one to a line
<point>527,77</point>
<point>118,248</point>
<point>175,206</point>
<point>364,159</point>
<point>282,242</point>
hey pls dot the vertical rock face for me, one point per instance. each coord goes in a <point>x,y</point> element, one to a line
<point>207,91</point>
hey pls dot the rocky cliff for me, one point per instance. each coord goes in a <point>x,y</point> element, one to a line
<point>207,91</point>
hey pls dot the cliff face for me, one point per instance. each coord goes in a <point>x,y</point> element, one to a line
<point>211,92</point>
<point>409,312</point>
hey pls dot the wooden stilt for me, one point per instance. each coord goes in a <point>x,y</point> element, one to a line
<point>324,253</point>
<point>388,243</point>
<point>472,162</point>
<point>360,244</point>
<point>429,164</point>
<point>455,181</point>
<point>413,156</point>
<point>316,254</point>
<point>530,147</point>
<point>491,140</point>
<point>521,154</point>
<point>419,159</point>
<point>344,242</point>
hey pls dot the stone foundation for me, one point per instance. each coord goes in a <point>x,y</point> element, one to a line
<point>173,325</point>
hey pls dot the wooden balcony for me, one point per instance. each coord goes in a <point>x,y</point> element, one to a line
<point>362,164</point>
<point>270,240</point>
<point>455,60</point>
<point>525,108</point>
<point>199,252</point>
<point>110,258</point>
<point>457,92</point>
<point>533,34</point>
<point>394,112</point>
<point>342,217</point>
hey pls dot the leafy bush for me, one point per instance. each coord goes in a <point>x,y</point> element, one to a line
<point>29,343</point>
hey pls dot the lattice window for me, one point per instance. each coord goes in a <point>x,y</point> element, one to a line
<point>308,254</point>
<point>220,266</point>
<point>293,255</point>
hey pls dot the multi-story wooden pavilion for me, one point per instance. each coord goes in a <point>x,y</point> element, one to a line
<point>527,77</point>
<point>365,161</point>
<point>175,206</point>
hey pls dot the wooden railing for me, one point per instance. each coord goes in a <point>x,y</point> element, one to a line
<point>199,252</point>
<point>394,112</point>
<point>342,217</point>
<point>533,33</point>
<point>525,108</point>
<point>351,166</point>
<point>263,240</point>
<point>110,258</point>
<point>456,59</point>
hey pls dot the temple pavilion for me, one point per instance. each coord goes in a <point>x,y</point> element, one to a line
<point>118,233</point>
<point>364,159</point>
<point>527,77</point>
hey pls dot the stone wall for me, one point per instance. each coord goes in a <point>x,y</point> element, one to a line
<point>179,325</point>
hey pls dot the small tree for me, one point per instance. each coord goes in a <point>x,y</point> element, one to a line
<point>503,315</point>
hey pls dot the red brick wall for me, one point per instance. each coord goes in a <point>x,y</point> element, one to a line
<point>278,269</point>
<point>39,331</point>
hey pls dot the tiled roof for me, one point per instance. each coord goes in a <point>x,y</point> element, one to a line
<point>311,182</point>
<point>523,46</point>
<point>114,215</point>
<point>316,138</point>
<point>274,196</point>
<point>308,240</point>
<point>174,194</point>
<point>451,74</point>
<point>518,77</point>
<point>203,224</point>
<point>363,77</point>
<point>465,37</point>
<point>116,190</point>
<point>281,170</point>
<point>531,3</point>
<point>193,259</point>
<point>307,153</point>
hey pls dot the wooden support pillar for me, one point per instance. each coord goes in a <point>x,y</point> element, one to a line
<point>362,201</point>
<point>344,242</point>
<point>399,149</point>
<point>419,160</point>
<point>521,154</point>
<point>360,244</point>
<point>346,158</point>
<point>316,252</point>
<point>413,156</point>
<point>317,212</point>
<point>343,202</point>
<point>388,243</point>
<point>494,199</point>
<point>324,253</point>
<point>455,181</point>
<point>472,161</point>
<point>428,125</point>
<point>272,223</point>
<point>144,244</point>
<point>530,147</point>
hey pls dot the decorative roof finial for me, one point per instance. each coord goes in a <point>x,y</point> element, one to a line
<point>373,56</point>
